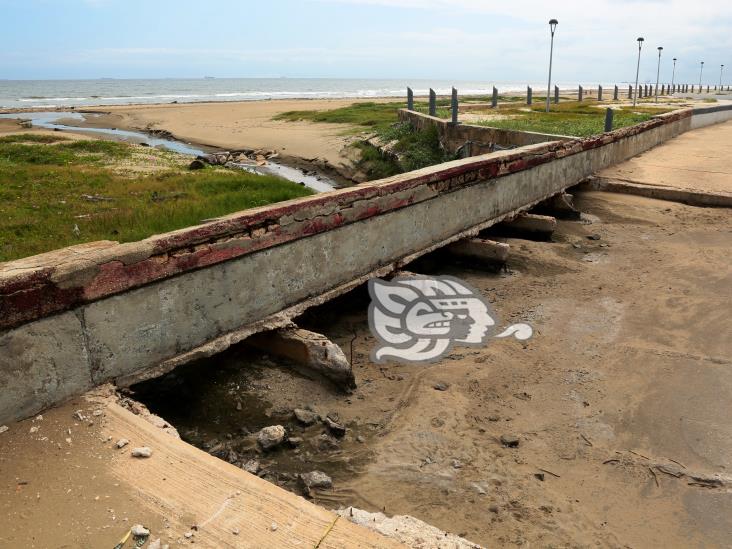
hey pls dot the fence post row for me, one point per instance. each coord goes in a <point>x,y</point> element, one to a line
<point>433,103</point>
<point>556,95</point>
<point>580,93</point>
<point>494,99</point>
<point>615,93</point>
<point>410,99</point>
<point>599,93</point>
<point>529,95</point>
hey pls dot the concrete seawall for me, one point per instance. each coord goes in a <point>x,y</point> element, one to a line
<point>81,316</point>
<point>481,137</point>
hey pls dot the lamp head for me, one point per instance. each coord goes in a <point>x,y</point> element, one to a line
<point>553,25</point>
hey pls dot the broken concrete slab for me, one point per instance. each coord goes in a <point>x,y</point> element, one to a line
<point>532,223</point>
<point>705,199</point>
<point>481,249</point>
<point>562,206</point>
<point>309,350</point>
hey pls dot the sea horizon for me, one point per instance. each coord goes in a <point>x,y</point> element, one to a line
<point>59,93</point>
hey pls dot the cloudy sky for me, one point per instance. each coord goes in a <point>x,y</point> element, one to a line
<point>442,39</point>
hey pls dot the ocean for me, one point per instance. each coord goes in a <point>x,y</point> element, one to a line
<point>80,93</point>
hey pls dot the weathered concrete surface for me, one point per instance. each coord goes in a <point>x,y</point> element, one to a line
<point>697,160</point>
<point>481,138</point>
<point>674,194</point>
<point>179,489</point>
<point>157,301</point>
<point>532,223</point>
<point>480,249</point>
<point>311,351</point>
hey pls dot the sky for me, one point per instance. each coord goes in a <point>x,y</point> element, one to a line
<point>486,40</point>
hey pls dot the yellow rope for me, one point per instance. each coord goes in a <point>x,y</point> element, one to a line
<point>327,532</point>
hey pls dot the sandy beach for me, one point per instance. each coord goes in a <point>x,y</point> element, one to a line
<point>247,124</point>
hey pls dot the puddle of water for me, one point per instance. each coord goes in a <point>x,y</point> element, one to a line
<point>50,121</point>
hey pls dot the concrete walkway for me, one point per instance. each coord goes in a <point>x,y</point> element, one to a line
<point>697,160</point>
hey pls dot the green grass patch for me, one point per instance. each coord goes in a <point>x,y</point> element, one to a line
<point>43,188</point>
<point>573,118</point>
<point>408,150</point>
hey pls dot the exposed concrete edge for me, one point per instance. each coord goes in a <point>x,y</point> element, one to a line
<point>285,317</point>
<point>40,286</point>
<point>660,192</point>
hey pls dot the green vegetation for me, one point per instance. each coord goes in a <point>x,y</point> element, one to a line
<point>112,191</point>
<point>367,115</point>
<point>408,150</point>
<point>568,118</point>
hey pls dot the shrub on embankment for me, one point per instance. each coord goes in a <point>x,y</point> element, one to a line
<point>56,192</point>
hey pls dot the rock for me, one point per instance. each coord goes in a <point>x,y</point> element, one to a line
<point>34,429</point>
<point>316,479</point>
<point>308,351</point>
<point>360,439</point>
<point>145,145</point>
<point>510,441</point>
<point>188,535</point>
<point>594,237</point>
<point>326,443</point>
<point>294,441</point>
<point>3,428</point>
<point>306,417</point>
<point>197,165</point>
<point>157,544</point>
<point>143,452</point>
<point>334,427</point>
<point>139,531</point>
<point>235,531</point>
<point>273,526</point>
<point>271,437</point>
<point>96,413</point>
<point>441,386</point>
<point>493,508</point>
<point>252,466</point>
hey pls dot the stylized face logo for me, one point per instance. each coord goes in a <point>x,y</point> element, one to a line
<point>418,319</point>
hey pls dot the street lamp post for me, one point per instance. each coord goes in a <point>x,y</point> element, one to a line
<point>701,70</point>
<point>552,27</point>
<point>658,71</point>
<point>673,76</point>
<point>637,70</point>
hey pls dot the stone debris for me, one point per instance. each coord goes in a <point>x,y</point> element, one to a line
<point>306,417</point>
<point>143,452</point>
<point>441,386</point>
<point>510,441</point>
<point>97,413</point>
<point>139,531</point>
<point>271,437</point>
<point>34,429</point>
<point>273,527</point>
<point>121,443</point>
<point>157,544</point>
<point>235,531</point>
<point>3,428</point>
<point>407,530</point>
<point>252,466</point>
<point>316,479</point>
<point>79,415</point>
<point>338,429</point>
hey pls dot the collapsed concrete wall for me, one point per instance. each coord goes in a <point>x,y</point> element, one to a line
<point>480,138</point>
<point>81,316</point>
